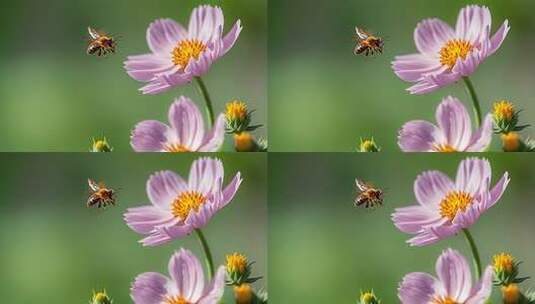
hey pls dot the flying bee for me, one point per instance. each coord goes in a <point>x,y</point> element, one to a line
<point>368,196</point>
<point>101,196</point>
<point>367,43</point>
<point>100,43</point>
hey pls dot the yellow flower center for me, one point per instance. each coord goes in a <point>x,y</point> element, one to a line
<point>446,300</point>
<point>453,50</point>
<point>186,50</point>
<point>454,202</point>
<point>185,202</point>
<point>243,142</point>
<point>176,300</point>
<point>243,294</point>
<point>503,110</point>
<point>236,263</point>
<point>236,110</point>
<point>444,148</point>
<point>511,294</point>
<point>511,141</point>
<point>367,145</point>
<point>503,262</point>
<point>176,148</point>
<point>367,297</point>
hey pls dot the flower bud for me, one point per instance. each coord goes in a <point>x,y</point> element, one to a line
<point>511,294</point>
<point>101,298</point>
<point>505,117</point>
<point>239,269</point>
<point>511,142</point>
<point>244,142</point>
<point>243,294</point>
<point>369,297</point>
<point>505,269</point>
<point>368,145</point>
<point>100,145</point>
<point>238,117</point>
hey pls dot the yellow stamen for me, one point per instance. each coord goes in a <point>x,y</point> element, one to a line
<point>511,294</point>
<point>176,300</point>
<point>453,50</point>
<point>236,110</point>
<point>243,294</point>
<point>444,148</point>
<point>454,202</point>
<point>244,142</point>
<point>236,263</point>
<point>186,50</point>
<point>503,110</point>
<point>176,148</point>
<point>446,300</point>
<point>185,202</point>
<point>511,141</point>
<point>503,262</point>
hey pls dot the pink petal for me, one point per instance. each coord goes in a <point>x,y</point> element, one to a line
<point>417,288</point>
<point>214,292</point>
<point>498,38</point>
<point>414,66</point>
<point>430,36</point>
<point>455,123</point>
<point>163,35</point>
<point>145,67</point>
<point>163,187</point>
<point>149,136</point>
<point>156,238</point>
<point>431,187</point>
<point>206,23</point>
<point>148,288</point>
<point>206,175</point>
<point>231,37</point>
<point>482,137</point>
<point>230,190</point>
<point>187,273</point>
<point>423,87</point>
<point>155,87</point>
<point>473,175</point>
<point>187,123</point>
<point>213,140</point>
<point>498,190</point>
<point>413,219</point>
<point>454,273</point>
<point>483,289</point>
<point>144,219</point>
<point>472,23</point>
<point>419,136</point>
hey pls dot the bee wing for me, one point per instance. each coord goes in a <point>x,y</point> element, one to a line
<point>92,185</point>
<point>361,185</point>
<point>361,34</point>
<point>93,33</point>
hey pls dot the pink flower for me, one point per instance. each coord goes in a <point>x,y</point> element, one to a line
<point>179,54</point>
<point>453,133</point>
<point>186,284</point>
<point>445,55</point>
<point>185,134</point>
<point>453,285</point>
<point>178,207</point>
<point>445,207</point>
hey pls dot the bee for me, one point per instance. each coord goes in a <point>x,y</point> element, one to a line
<point>369,195</point>
<point>101,196</point>
<point>367,43</point>
<point>100,43</point>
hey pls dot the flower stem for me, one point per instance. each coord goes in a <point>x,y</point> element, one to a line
<point>204,92</point>
<point>475,252</point>
<point>472,92</point>
<point>207,252</point>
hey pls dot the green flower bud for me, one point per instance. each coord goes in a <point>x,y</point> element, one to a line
<point>100,145</point>
<point>100,298</point>
<point>368,145</point>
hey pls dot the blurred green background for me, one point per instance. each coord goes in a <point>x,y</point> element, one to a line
<point>323,250</point>
<point>323,98</point>
<point>55,250</point>
<point>54,97</point>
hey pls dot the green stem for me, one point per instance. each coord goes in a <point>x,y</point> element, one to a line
<point>475,252</point>
<point>207,252</point>
<point>204,92</point>
<point>472,92</point>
